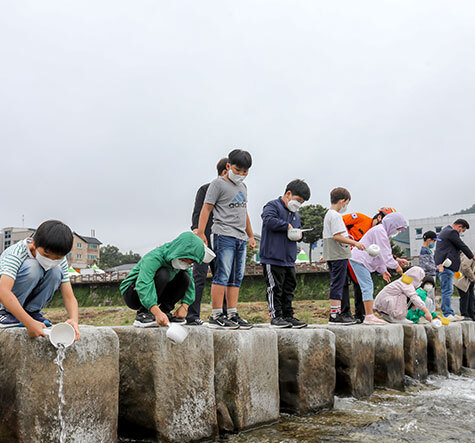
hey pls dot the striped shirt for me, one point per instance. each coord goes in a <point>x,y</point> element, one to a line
<point>14,256</point>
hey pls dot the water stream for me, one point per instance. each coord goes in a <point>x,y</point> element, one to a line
<point>60,356</point>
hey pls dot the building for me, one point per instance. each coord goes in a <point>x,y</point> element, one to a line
<point>85,252</point>
<point>418,226</point>
<point>9,236</point>
<point>402,240</point>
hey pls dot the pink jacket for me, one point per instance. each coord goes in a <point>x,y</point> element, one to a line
<point>379,235</point>
<point>394,297</point>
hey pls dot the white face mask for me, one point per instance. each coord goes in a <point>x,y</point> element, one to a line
<point>343,210</point>
<point>45,262</point>
<point>427,288</point>
<point>235,178</point>
<point>180,264</point>
<point>293,205</point>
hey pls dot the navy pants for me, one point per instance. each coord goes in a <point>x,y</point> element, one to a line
<point>338,269</point>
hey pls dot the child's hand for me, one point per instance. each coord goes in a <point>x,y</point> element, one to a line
<point>387,277</point>
<point>252,243</point>
<point>182,311</point>
<point>75,326</point>
<point>35,329</point>
<point>162,319</point>
<point>428,316</point>
<point>360,246</point>
<point>399,270</point>
<point>402,261</point>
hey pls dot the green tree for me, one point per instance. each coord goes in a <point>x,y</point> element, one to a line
<point>111,256</point>
<point>470,210</point>
<point>312,217</point>
<point>397,251</point>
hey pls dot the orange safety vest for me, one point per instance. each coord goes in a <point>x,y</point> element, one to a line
<point>357,224</point>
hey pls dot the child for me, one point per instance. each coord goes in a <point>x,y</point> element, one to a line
<point>227,198</point>
<point>278,253</point>
<point>392,300</point>
<point>363,265</point>
<point>30,272</point>
<point>426,294</point>
<point>426,256</point>
<point>336,251</point>
<point>162,278</point>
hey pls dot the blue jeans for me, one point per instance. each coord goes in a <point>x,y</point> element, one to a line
<point>447,286</point>
<point>34,287</point>
<point>364,280</point>
<point>230,261</point>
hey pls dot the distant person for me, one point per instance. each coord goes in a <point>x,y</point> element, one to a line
<point>200,272</point>
<point>336,251</point>
<point>162,278</point>
<point>278,253</point>
<point>227,199</point>
<point>465,286</point>
<point>363,264</point>
<point>358,225</point>
<point>426,255</point>
<point>450,247</point>
<point>30,273</point>
<point>392,300</point>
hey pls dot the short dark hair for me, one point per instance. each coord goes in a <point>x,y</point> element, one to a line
<point>240,158</point>
<point>221,166</point>
<point>462,222</point>
<point>299,188</point>
<point>338,194</point>
<point>54,236</point>
<point>429,234</point>
<point>428,279</point>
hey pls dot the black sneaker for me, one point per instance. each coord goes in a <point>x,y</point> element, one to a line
<point>349,317</point>
<point>243,324</point>
<point>173,319</point>
<point>279,322</point>
<point>145,319</point>
<point>195,322</point>
<point>8,320</point>
<point>359,320</point>
<point>295,322</point>
<point>340,319</point>
<point>38,316</point>
<point>221,322</point>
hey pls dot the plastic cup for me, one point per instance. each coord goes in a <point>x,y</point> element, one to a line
<point>176,333</point>
<point>437,323</point>
<point>445,321</point>
<point>61,334</point>
<point>406,279</point>
<point>294,234</point>
<point>373,250</point>
<point>446,263</point>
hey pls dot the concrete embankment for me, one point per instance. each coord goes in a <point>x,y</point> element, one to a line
<point>137,381</point>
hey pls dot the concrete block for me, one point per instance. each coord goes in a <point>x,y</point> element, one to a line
<point>247,376</point>
<point>306,369</point>
<point>436,350</point>
<point>389,356</point>
<point>415,351</point>
<point>166,390</point>
<point>354,360</point>
<point>29,402</point>
<point>454,344</point>
<point>468,335</point>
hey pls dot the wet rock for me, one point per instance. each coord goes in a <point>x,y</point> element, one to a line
<point>415,351</point>
<point>225,422</point>
<point>354,360</point>
<point>306,369</point>
<point>166,390</point>
<point>436,350</point>
<point>468,335</point>
<point>247,376</point>
<point>29,388</point>
<point>454,344</point>
<point>389,356</point>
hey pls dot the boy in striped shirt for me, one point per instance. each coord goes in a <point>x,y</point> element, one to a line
<point>30,272</point>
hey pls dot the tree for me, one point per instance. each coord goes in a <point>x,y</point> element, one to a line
<point>312,217</point>
<point>470,210</point>
<point>111,256</point>
<point>397,251</point>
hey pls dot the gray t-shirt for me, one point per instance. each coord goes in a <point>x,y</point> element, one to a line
<point>230,208</point>
<point>333,224</point>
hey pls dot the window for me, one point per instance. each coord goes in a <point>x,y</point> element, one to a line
<point>78,255</point>
<point>92,246</point>
<point>92,257</point>
<point>79,245</point>
<point>8,234</point>
<point>438,229</point>
<point>418,231</point>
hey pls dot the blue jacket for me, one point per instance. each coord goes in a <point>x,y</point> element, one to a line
<point>276,248</point>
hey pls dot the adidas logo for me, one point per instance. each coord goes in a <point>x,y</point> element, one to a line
<point>239,201</point>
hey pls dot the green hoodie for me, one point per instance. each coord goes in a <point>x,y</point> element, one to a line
<point>415,314</point>
<point>186,245</point>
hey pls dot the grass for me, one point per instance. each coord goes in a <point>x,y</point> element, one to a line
<point>310,311</point>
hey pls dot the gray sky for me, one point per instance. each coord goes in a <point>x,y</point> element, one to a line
<point>113,113</point>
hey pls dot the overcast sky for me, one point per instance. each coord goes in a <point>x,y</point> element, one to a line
<point>113,113</point>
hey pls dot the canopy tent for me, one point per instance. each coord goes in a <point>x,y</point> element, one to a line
<point>302,257</point>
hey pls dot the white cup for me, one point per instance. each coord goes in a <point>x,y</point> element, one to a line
<point>437,323</point>
<point>61,334</point>
<point>447,262</point>
<point>177,333</point>
<point>294,234</point>
<point>373,250</point>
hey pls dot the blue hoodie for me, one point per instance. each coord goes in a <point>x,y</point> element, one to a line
<point>276,248</point>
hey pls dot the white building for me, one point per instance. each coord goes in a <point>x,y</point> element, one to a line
<point>418,226</point>
<point>11,235</point>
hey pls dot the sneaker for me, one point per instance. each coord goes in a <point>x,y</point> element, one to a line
<point>8,320</point>
<point>38,316</point>
<point>295,322</point>
<point>422,321</point>
<point>359,320</point>
<point>279,322</point>
<point>243,324</point>
<point>373,320</point>
<point>340,319</point>
<point>173,319</point>
<point>390,319</point>
<point>195,322</point>
<point>454,317</point>
<point>221,322</point>
<point>145,319</point>
<point>467,318</point>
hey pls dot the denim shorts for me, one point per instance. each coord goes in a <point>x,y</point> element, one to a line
<point>364,280</point>
<point>230,260</point>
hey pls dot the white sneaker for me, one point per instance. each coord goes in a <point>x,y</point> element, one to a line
<point>422,321</point>
<point>373,320</point>
<point>454,317</point>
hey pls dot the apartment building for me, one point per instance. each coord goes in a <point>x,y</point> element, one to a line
<point>85,252</point>
<point>11,235</point>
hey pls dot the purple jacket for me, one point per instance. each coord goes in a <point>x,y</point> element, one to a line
<point>379,235</point>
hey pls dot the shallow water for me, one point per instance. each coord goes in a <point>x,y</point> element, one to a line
<point>60,356</point>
